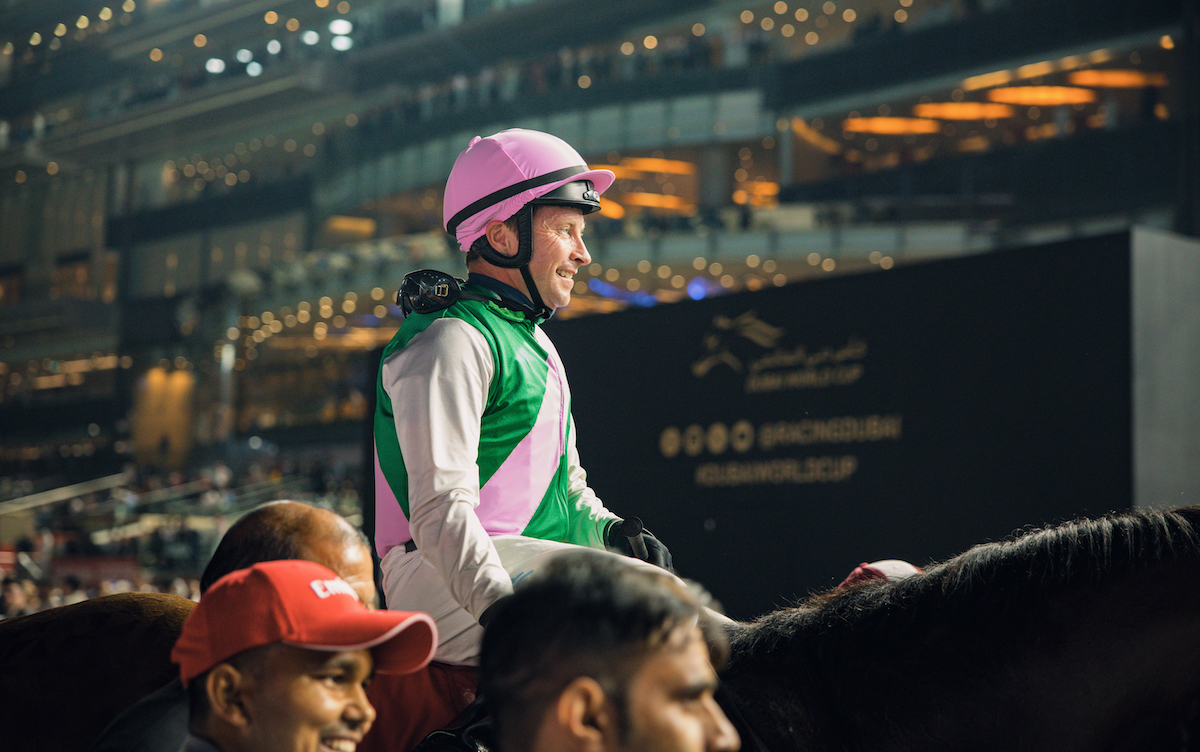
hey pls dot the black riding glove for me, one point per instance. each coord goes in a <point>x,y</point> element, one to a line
<point>628,537</point>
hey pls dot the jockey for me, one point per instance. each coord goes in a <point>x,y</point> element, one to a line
<point>477,478</point>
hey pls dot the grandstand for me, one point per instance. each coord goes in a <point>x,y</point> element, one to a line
<point>206,206</point>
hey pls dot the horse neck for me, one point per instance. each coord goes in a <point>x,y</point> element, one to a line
<point>1113,667</point>
<point>1087,668</point>
<point>781,709</point>
<point>1110,665</point>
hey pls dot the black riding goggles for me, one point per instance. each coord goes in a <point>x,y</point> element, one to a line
<point>430,291</point>
<point>427,291</point>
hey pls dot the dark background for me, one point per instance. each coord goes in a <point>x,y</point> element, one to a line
<point>1010,373</point>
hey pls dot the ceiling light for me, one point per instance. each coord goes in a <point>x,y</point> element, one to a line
<point>987,80</point>
<point>1117,79</point>
<point>655,164</point>
<point>1042,96</point>
<point>1036,69</point>
<point>657,201</point>
<point>891,126</point>
<point>963,110</point>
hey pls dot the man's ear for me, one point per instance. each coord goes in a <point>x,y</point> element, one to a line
<point>225,686</point>
<point>585,715</point>
<point>502,237</point>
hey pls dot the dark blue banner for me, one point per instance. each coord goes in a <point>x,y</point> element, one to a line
<point>774,440</point>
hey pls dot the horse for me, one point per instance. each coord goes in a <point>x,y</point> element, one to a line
<point>1082,636</point>
<point>67,671</point>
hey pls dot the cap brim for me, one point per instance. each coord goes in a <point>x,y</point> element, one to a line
<point>602,180</point>
<point>400,641</point>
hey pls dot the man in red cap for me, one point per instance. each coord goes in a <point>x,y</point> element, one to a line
<point>411,705</point>
<point>278,657</point>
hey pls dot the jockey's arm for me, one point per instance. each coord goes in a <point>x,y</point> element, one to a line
<point>439,390</point>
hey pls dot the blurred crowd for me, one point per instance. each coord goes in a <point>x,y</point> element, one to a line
<point>20,596</point>
<point>152,533</point>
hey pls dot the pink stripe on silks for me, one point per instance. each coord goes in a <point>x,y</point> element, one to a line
<point>511,496</point>
<point>391,526</point>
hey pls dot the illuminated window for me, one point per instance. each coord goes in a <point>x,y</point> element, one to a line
<point>73,277</point>
<point>12,280</point>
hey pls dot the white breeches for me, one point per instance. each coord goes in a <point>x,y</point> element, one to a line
<point>410,583</point>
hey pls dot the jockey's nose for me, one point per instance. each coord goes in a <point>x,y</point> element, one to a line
<point>580,251</point>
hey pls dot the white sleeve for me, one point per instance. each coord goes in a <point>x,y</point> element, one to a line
<point>439,385</point>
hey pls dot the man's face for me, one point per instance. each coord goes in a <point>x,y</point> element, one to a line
<point>352,562</point>
<point>669,705</point>
<point>558,252</point>
<point>300,700</point>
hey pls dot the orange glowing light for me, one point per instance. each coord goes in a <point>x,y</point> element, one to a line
<point>891,126</point>
<point>657,201</point>
<point>611,209</point>
<point>764,188</point>
<point>963,110</point>
<point>987,80</point>
<point>654,164</point>
<point>1042,96</point>
<point>1117,79</point>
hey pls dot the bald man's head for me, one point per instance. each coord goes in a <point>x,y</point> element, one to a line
<point>292,530</point>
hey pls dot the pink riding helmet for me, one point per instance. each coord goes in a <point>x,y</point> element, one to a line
<point>499,174</point>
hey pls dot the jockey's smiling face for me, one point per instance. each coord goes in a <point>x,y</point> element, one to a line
<point>669,705</point>
<point>558,253</point>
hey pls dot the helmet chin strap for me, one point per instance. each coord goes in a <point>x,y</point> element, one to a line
<point>520,260</point>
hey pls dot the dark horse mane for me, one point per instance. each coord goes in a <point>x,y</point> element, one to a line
<point>990,578</point>
<point>917,646</point>
<point>1086,551</point>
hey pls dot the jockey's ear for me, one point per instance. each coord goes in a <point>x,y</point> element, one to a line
<point>584,716</point>
<point>224,684</point>
<point>502,237</point>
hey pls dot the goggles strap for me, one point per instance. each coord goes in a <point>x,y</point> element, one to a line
<point>540,311</point>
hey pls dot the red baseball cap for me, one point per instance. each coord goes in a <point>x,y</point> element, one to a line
<point>303,604</point>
